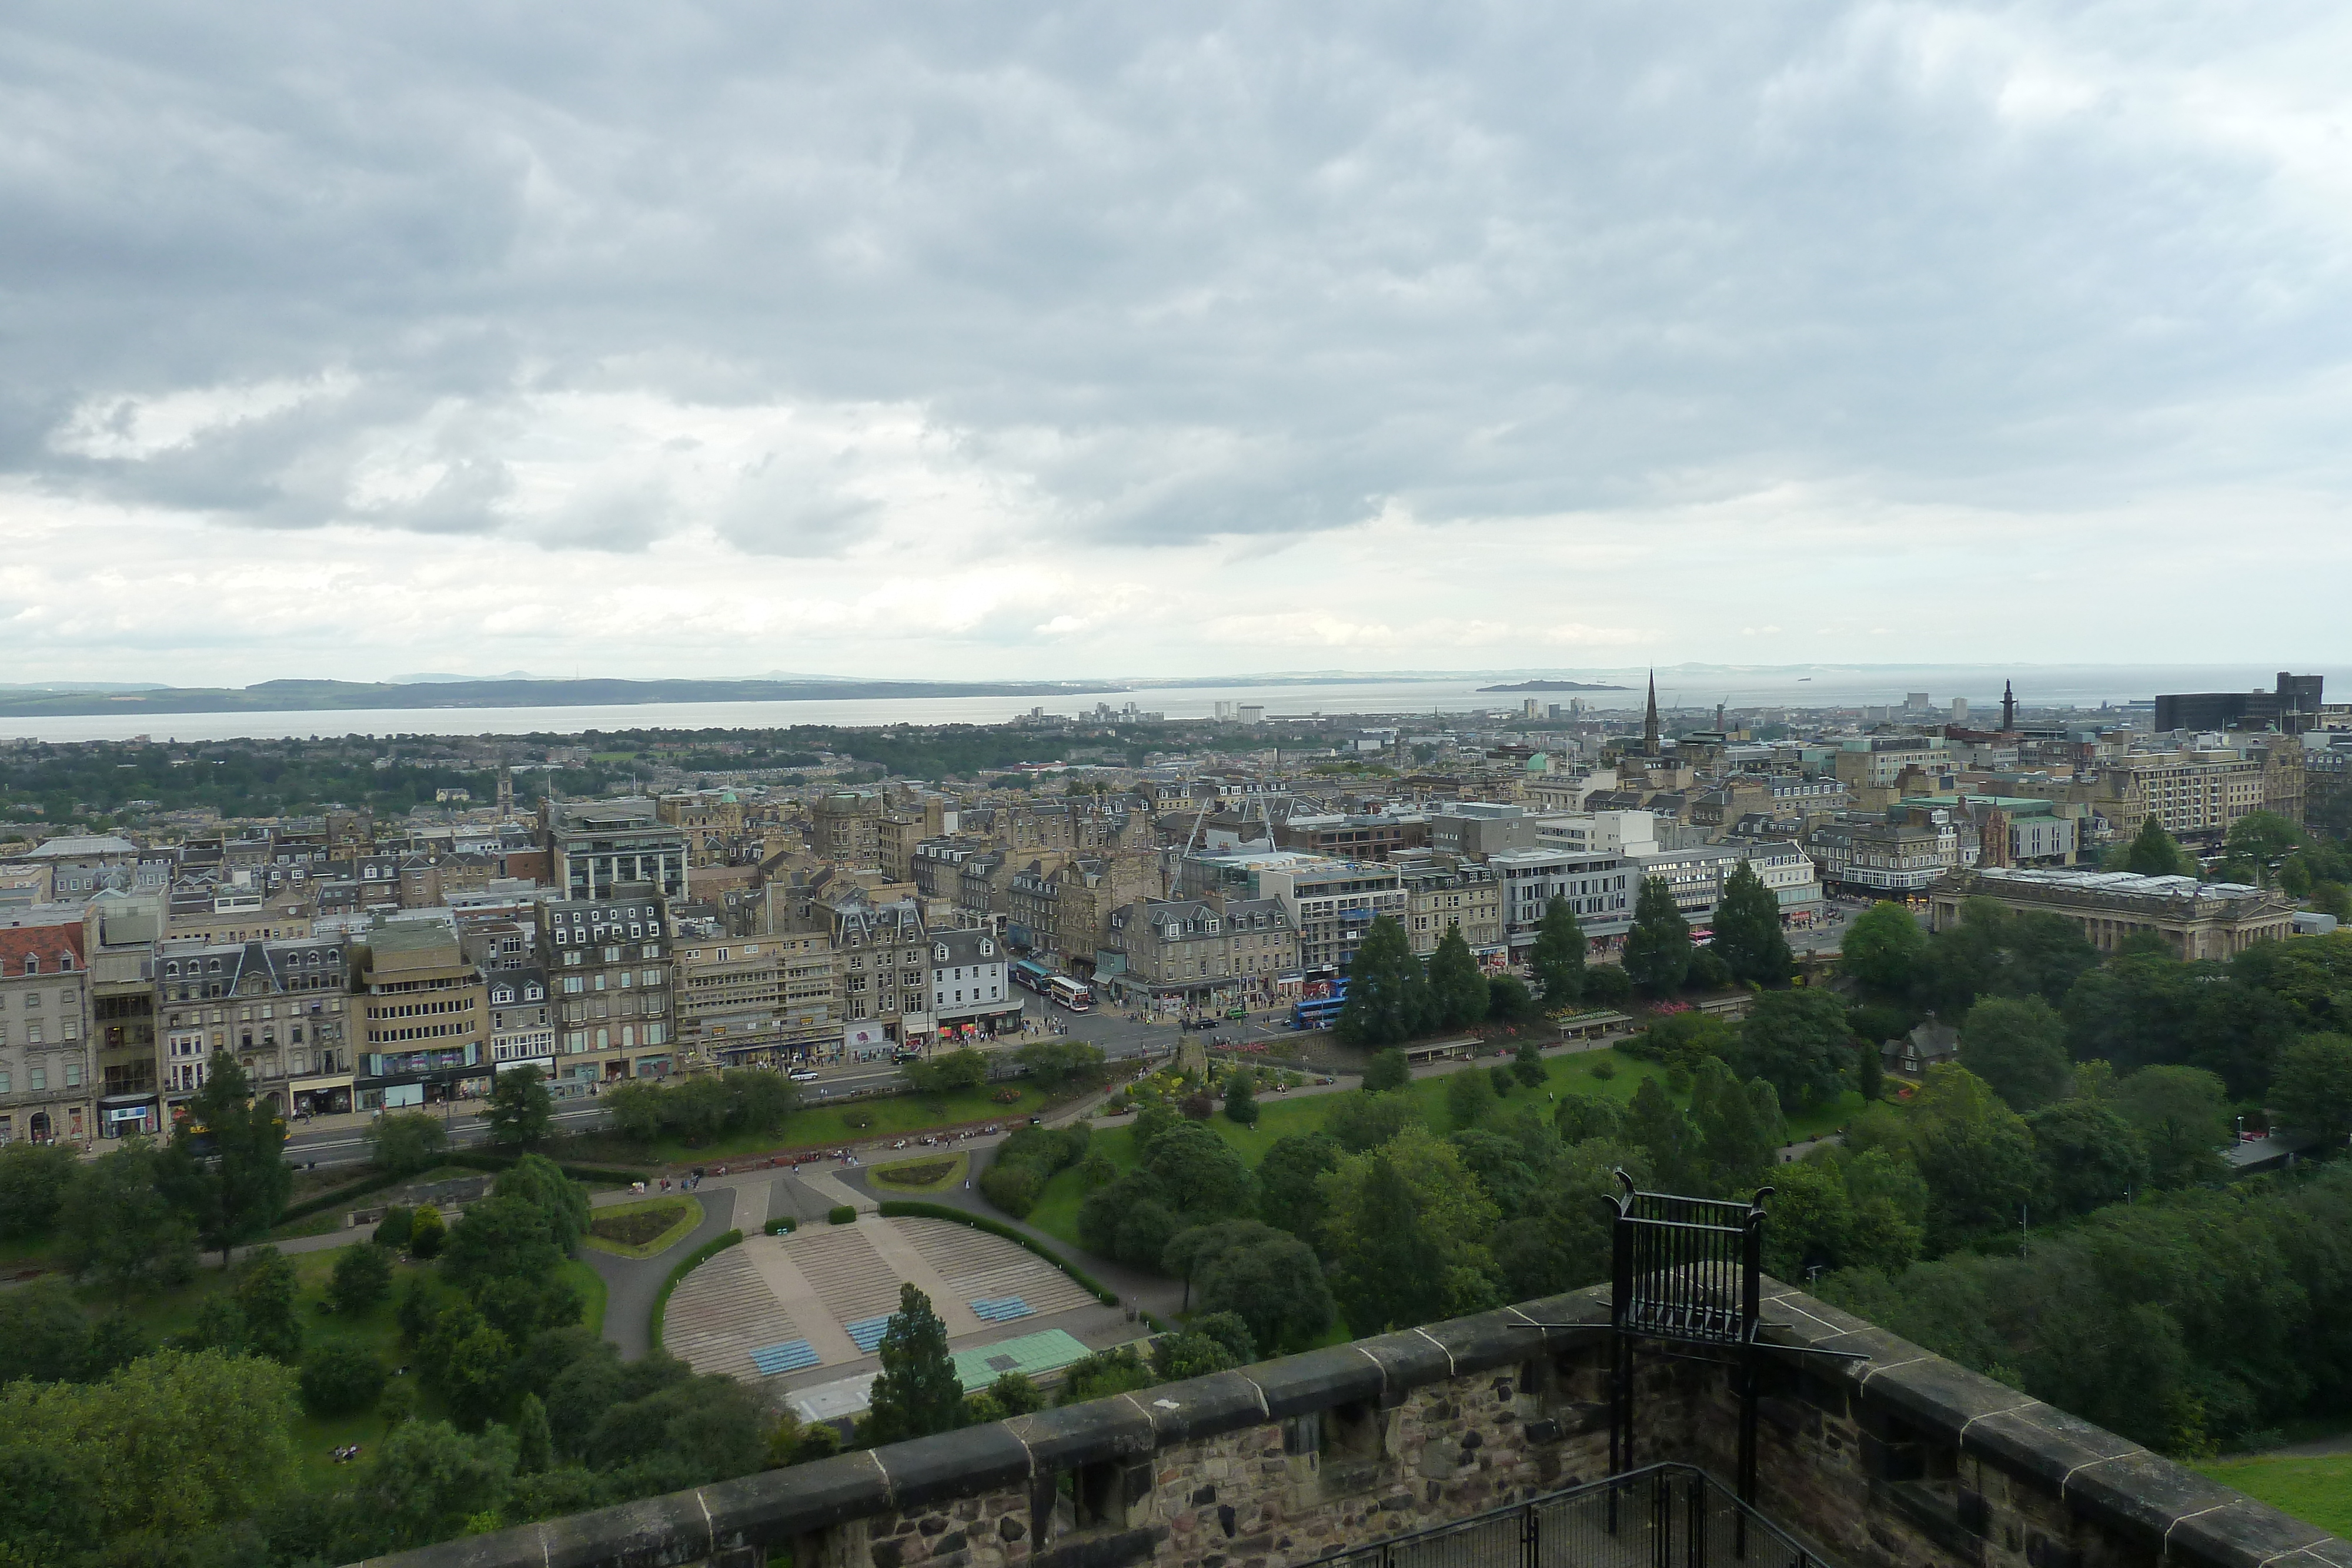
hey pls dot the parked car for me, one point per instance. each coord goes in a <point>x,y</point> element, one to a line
<point>803,1075</point>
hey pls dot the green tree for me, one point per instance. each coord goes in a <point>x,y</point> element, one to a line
<point>118,1229</point>
<point>362,1278</point>
<point>2019,1047</point>
<point>1797,1042</point>
<point>918,1391</point>
<point>1658,949</point>
<point>1748,932</point>
<point>33,1182</point>
<point>1457,988</point>
<point>1449,1214</point>
<point>1583,1117</point>
<point>1812,1220</point>
<point>340,1379</point>
<point>1387,1070</point>
<point>1882,950</point>
<point>521,1113</point>
<point>265,1286</point>
<point>635,1109</point>
<point>406,1142</point>
<point>1977,1157</point>
<point>1364,1121</point>
<point>534,1439</point>
<point>1182,1354</point>
<point>2090,1155</point>
<point>759,1101</point>
<point>1202,1173</point>
<point>563,1202</point>
<point>1240,1098</point>
<point>2154,853</point>
<point>427,1479</point>
<point>1270,1281</point>
<point>1287,1195</point>
<point>1469,1097</point>
<point>2182,1116</point>
<point>1657,1127</point>
<point>1388,997</point>
<point>231,1178</point>
<point>2313,1091</point>
<point>1508,1001</point>
<point>1738,1128</point>
<point>1053,1064</point>
<point>44,1333</point>
<point>2257,847</point>
<point>501,1236</point>
<point>426,1233</point>
<point>1557,960</point>
<point>1528,1064</point>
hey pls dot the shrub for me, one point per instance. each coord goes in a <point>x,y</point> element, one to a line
<point>426,1231</point>
<point>858,1118</point>
<point>1505,1081</point>
<point>1198,1106</point>
<point>781,1225</point>
<point>1608,986</point>
<point>1026,1161</point>
<point>393,1230</point>
<point>338,1379</point>
<point>1013,1188</point>
<point>362,1278</point>
<point>841,1214</point>
<point>1008,1095</point>
<point>1602,1067</point>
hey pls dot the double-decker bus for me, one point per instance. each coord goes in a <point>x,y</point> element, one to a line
<point>1062,989</point>
<point>1320,1011</point>
<point>1031,974</point>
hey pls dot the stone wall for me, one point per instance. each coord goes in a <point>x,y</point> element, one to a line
<point>1903,1460</point>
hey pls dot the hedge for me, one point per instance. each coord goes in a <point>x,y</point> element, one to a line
<point>841,1214</point>
<point>685,1266</point>
<point>339,1197</point>
<point>900,1209</point>
<point>781,1225</point>
<point>495,1163</point>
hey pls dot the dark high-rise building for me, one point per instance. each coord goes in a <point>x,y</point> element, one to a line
<point>2291,708</point>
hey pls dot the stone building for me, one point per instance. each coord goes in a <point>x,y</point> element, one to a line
<point>1191,949</point>
<point>422,1033</point>
<point>279,1008</point>
<point>1466,894</point>
<point>46,1092</point>
<point>2195,919</point>
<point>607,963</point>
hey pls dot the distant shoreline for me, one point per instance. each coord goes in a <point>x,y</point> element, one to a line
<point>1555,687</point>
<point>333,697</point>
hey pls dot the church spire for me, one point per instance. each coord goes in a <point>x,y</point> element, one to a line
<point>2008,706</point>
<point>1650,720</point>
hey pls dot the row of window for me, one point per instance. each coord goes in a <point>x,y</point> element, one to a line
<point>36,1078</point>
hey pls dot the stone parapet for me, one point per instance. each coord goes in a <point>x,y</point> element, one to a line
<point>1903,1460</point>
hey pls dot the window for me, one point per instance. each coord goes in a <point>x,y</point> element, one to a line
<point>40,1079</point>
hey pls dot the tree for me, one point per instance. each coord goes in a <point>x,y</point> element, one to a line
<point>2154,853</point>
<point>1387,1070</point>
<point>1287,1195</point>
<point>1528,1064</point>
<point>522,1112</point>
<point>2019,1047</point>
<point>1200,1171</point>
<point>1508,1001</point>
<point>427,1479</point>
<point>1388,997</point>
<point>226,1166</point>
<point>1656,1126</point>
<point>2313,1091</point>
<point>33,1182</point>
<point>1457,990</point>
<point>1449,1212</point>
<point>1557,960</point>
<point>1882,950</point>
<point>1562,1241</point>
<point>1054,1063</point>
<point>917,1393</point>
<point>363,1277</point>
<point>340,1379</point>
<point>1658,947</point>
<point>1583,1117</point>
<point>502,1236</point>
<point>2258,845</point>
<point>1747,930</point>
<point>426,1232</point>
<point>2090,1155</point>
<point>635,1110</point>
<point>2182,1116</point>
<point>266,1287</point>
<point>1811,1221</point>
<point>406,1142</point>
<point>1363,1121</point>
<point>44,1334</point>
<point>560,1201</point>
<point>1797,1041</point>
<point>534,1439</point>
<point>760,1102</point>
<point>949,1071</point>
<point>1240,1098</point>
<point>1977,1157</point>
<point>1737,1127</point>
<point>116,1227</point>
<point>1469,1097</point>
<point>1274,1286</point>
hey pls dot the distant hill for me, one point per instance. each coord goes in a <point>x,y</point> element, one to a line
<point>302,696</point>
<point>1555,687</point>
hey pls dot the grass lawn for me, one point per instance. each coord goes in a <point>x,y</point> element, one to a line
<point>311,1224</point>
<point>644,1228</point>
<point>933,1173</point>
<point>2317,1489</point>
<point>1280,1115</point>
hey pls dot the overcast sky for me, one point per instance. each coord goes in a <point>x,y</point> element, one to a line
<point>995,341</point>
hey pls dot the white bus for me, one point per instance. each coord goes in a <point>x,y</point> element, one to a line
<point>1062,989</point>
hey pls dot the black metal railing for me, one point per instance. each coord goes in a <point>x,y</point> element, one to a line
<point>1662,1516</point>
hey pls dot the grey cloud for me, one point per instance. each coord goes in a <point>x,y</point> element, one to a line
<point>1228,269</point>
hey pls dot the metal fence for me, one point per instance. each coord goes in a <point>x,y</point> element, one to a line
<point>1662,1516</point>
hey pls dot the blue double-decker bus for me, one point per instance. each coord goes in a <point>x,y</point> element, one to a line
<point>1321,1012</point>
<point>1029,973</point>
